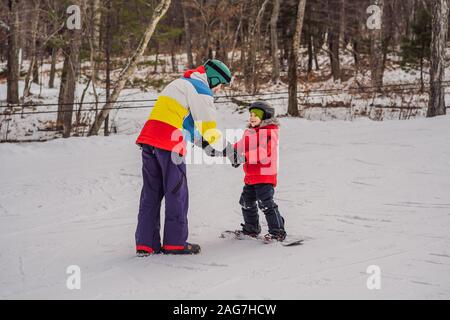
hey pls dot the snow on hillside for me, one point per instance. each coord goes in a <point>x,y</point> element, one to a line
<point>363,193</point>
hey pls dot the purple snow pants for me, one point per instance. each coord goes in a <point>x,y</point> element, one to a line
<point>163,178</point>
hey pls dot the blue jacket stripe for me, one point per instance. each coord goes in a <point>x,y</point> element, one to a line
<point>189,130</point>
<point>200,86</point>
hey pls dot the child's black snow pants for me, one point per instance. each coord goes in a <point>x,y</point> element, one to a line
<point>260,195</point>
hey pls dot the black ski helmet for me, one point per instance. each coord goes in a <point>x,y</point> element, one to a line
<point>269,111</point>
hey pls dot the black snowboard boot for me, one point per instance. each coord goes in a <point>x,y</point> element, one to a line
<point>250,230</point>
<point>189,248</point>
<point>145,253</point>
<point>277,235</point>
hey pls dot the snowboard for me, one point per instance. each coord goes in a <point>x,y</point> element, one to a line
<point>290,241</point>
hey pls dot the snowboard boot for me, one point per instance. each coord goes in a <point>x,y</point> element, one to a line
<point>144,251</point>
<point>189,248</point>
<point>276,235</point>
<point>250,230</point>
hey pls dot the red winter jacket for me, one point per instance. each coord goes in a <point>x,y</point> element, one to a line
<point>260,147</point>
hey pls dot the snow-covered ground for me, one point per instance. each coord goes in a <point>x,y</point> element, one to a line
<point>363,193</point>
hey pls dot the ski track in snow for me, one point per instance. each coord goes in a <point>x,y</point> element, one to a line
<point>362,193</point>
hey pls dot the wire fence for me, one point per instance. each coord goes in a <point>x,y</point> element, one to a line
<point>94,107</point>
<point>311,93</point>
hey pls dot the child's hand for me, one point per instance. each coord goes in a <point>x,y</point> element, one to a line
<point>235,158</point>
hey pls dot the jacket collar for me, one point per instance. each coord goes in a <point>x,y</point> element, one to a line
<point>198,73</point>
<point>266,123</point>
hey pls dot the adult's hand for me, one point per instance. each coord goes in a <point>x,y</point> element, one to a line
<point>210,151</point>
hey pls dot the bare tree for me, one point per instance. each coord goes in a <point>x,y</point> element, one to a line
<point>131,65</point>
<point>333,37</point>
<point>94,39</point>
<point>69,78</point>
<point>107,44</point>
<point>33,53</point>
<point>436,104</point>
<point>236,34</point>
<point>56,24</point>
<point>13,54</point>
<point>254,25</point>
<point>188,38</point>
<point>250,46</point>
<point>376,51</point>
<point>51,81</point>
<point>274,42</point>
<point>73,68</point>
<point>293,60</point>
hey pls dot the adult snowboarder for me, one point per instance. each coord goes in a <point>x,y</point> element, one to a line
<point>186,105</point>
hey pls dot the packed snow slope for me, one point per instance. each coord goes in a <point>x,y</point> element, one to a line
<point>363,193</point>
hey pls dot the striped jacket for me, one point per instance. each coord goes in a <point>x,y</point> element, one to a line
<point>184,111</point>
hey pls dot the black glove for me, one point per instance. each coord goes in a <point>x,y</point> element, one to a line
<point>235,158</point>
<point>235,165</point>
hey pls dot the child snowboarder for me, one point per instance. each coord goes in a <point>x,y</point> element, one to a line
<point>258,149</point>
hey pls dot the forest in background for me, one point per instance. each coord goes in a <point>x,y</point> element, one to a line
<point>266,43</point>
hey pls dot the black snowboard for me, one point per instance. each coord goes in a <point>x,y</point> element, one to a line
<point>290,241</point>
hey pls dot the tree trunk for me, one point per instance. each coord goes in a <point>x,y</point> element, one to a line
<point>422,84</point>
<point>130,67</point>
<point>94,44</point>
<point>356,58</point>
<point>37,58</point>
<point>293,59</point>
<point>94,39</point>
<point>51,82</point>
<point>436,104</point>
<point>274,42</point>
<point>69,79</point>
<point>13,55</point>
<point>250,46</point>
<point>333,38</point>
<point>376,52</point>
<point>243,55</point>
<point>62,91</point>
<point>173,59</point>
<point>188,36</point>
<point>155,67</point>
<point>72,77</point>
<point>333,45</point>
<point>222,45</point>
<point>108,42</point>
<point>236,35</point>
<point>316,49</point>
<point>310,53</point>
<point>41,81</point>
<point>254,25</point>
<point>33,54</point>
<point>342,23</point>
<point>287,44</point>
